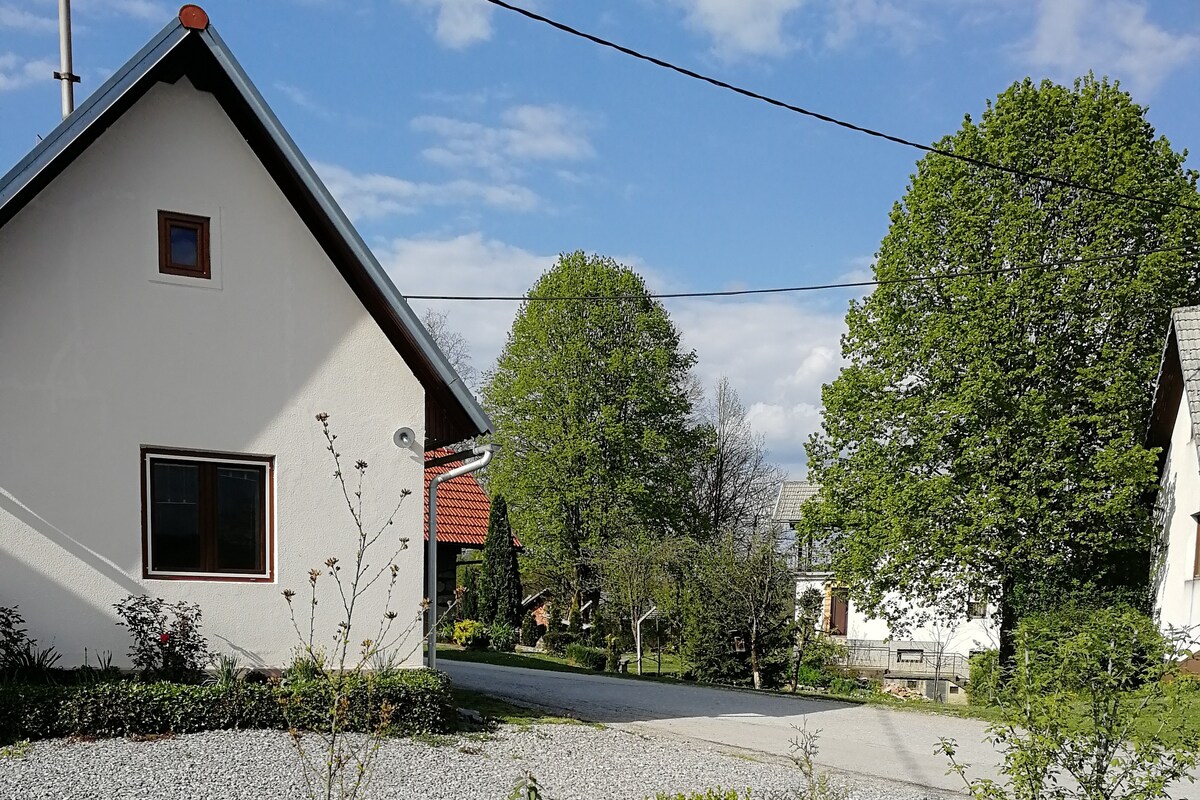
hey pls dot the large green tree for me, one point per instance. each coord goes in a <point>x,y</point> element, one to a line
<point>591,407</point>
<point>986,437</point>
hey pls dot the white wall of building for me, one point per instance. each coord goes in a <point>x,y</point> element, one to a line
<point>1177,595</point>
<point>961,636</point>
<point>100,355</point>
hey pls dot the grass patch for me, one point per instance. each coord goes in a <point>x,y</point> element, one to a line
<point>497,711</point>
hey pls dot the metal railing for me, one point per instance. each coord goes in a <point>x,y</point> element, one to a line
<point>906,662</point>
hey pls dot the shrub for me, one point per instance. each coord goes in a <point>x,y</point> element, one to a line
<point>531,631</point>
<point>305,666</point>
<point>411,701</point>
<point>811,676</point>
<point>557,642</point>
<point>844,686</point>
<point>13,639</point>
<point>612,654</point>
<point>502,636</point>
<point>984,678</point>
<point>471,634</point>
<point>583,656</point>
<point>167,643</point>
<point>1091,710</point>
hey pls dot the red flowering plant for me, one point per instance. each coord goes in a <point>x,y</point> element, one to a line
<point>167,643</point>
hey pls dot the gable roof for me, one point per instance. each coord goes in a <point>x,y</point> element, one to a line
<point>792,496</point>
<point>1179,372</point>
<point>199,53</point>
<point>463,507</point>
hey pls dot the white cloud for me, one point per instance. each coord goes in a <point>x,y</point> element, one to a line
<point>775,351</point>
<point>303,99</point>
<point>460,23</point>
<point>373,195</point>
<point>17,72</point>
<point>743,27</point>
<point>147,10</point>
<point>1111,37</point>
<point>526,133</point>
<point>850,19</point>
<point>20,19</point>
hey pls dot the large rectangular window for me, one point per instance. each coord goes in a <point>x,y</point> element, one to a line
<point>207,515</point>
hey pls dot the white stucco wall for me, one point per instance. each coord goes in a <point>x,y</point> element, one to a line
<point>99,357</point>
<point>1177,596</point>
<point>962,636</point>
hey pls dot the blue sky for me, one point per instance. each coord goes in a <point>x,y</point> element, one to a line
<point>471,145</point>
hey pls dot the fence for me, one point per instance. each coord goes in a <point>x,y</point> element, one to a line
<point>905,662</point>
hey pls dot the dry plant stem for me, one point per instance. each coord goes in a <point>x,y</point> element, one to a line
<point>347,760</point>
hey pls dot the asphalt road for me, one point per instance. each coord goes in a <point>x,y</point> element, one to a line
<point>860,739</point>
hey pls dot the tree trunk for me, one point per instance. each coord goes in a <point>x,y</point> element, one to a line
<point>1008,627</point>
<point>754,670</point>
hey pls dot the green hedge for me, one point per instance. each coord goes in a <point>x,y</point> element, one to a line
<point>583,656</point>
<point>420,701</point>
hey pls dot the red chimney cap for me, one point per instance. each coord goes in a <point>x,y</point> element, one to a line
<point>193,17</point>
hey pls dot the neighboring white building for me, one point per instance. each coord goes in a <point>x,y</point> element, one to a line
<point>179,297</point>
<point>1175,427</point>
<point>928,648</point>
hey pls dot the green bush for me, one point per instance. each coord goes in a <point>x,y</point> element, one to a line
<point>419,702</point>
<point>811,676</point>
<point>471,634</point>
<point>502,636</point>
<point>843,686</point>
<point>557,642</point>
<point>531,631</point>
<point>984,678</point>
<point>583,656</point>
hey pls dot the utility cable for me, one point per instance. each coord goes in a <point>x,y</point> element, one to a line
<point>812,287</point>
<point>978,162</point>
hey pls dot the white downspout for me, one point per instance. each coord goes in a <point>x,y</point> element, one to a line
<point>431,564</point>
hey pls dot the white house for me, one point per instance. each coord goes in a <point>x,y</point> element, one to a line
<point>928,647</point>
<point>1175,427</point>
<point>179,297</point>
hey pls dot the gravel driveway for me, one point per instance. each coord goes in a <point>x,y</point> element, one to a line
<point>571,761</point>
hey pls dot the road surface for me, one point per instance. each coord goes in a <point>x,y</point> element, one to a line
<point>860,739</point>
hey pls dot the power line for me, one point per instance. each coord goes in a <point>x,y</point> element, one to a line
<point>813,287</point>
<point>978,162</point>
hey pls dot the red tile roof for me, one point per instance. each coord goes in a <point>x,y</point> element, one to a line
<point>463,507</point>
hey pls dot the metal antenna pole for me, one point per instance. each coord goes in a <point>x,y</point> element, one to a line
<point>65,76</point>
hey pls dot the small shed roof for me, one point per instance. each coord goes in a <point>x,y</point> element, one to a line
<point>463,507</point>
<point>792,496</point>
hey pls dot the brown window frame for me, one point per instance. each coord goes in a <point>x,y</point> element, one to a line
<point>1196,562</point>
<point>839,600</point>
<point>150,455</point>
<point>169,219</point>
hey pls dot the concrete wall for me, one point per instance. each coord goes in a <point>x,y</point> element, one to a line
<point>1177,596</point>
<point>960,636</point>
<point>100,355</point>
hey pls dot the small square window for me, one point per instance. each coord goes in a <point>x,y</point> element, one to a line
<point>183,245</point>
<point>207,515</point>
<point>910,656</point>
